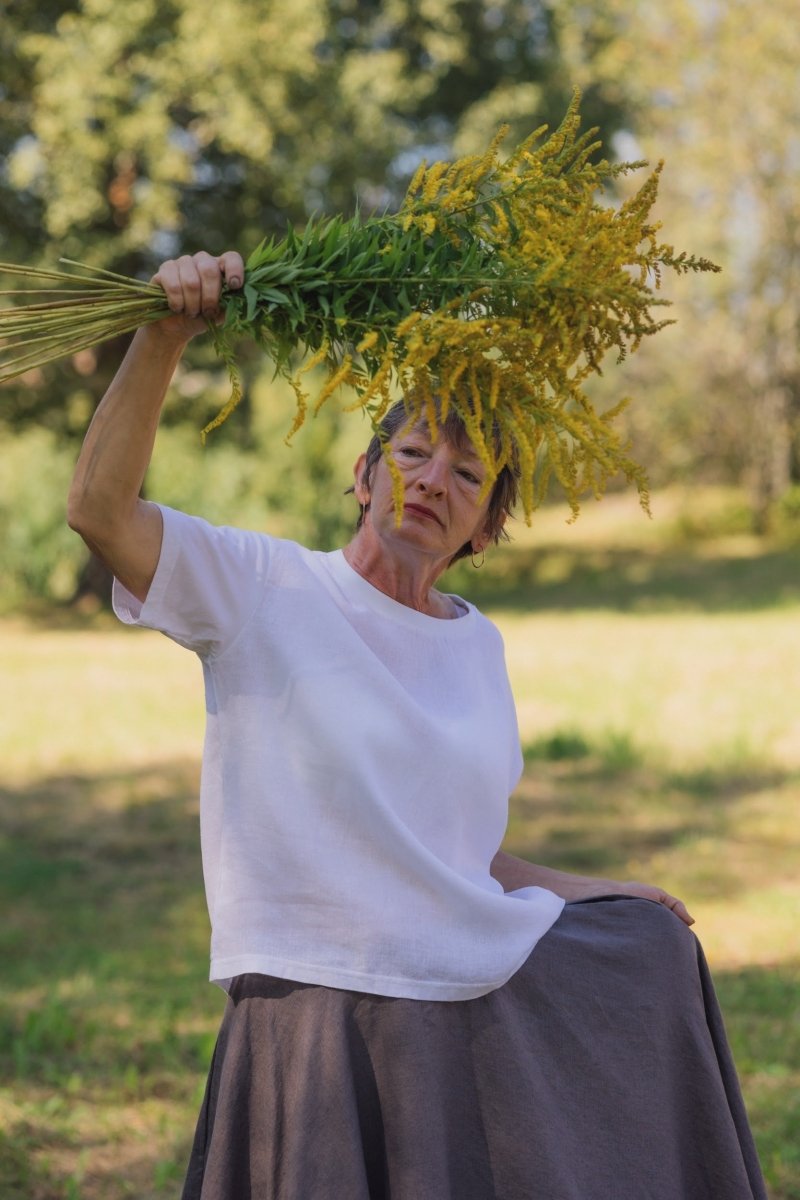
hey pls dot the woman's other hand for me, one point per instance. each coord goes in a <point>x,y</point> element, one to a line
<point>193,285</point>
<point>647,891</point>
<point>513,873</point>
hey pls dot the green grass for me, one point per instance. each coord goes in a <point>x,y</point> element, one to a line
<point>662,740</point>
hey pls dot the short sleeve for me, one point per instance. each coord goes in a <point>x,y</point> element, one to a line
<point>209,581</point>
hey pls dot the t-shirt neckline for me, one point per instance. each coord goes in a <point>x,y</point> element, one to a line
<point>363,592</point>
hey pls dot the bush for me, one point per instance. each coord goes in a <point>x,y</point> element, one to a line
<point>42,557</point>
<point>291,491</point>
<point>245,475</point>
<point>785,515</point>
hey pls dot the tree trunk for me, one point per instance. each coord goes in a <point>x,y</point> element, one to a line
<point>771,460</point>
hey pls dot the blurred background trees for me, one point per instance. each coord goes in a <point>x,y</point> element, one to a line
<point>129,133</point>
<point>716,91</point>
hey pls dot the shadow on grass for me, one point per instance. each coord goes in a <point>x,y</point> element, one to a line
<point>556,577</point>
<point>106,1022</point>
<point>762,1016</point>
<point>102,885</point>
<point>103,1170</point>
<point>106,1027</point>
<point>600,808</point>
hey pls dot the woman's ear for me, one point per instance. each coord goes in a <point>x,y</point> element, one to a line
<point>359,472</point>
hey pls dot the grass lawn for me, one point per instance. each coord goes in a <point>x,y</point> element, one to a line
<point>659,702</point>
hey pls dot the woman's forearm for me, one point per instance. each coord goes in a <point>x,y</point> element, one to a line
<point>119,442</point>
<point>513,873</point>
<point>104,498</point>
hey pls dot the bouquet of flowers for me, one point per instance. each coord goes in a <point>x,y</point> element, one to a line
<point>495,290</point>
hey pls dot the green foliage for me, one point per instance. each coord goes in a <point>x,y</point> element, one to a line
<point>295,491</point>
<point>557,746</point>
<point>613,750</point>
<point>42,558</point>
<point>790,504</point>
<point>716,93</point>
<point>784,517</point>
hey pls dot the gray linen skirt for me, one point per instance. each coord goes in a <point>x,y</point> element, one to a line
<point>600,1071</point>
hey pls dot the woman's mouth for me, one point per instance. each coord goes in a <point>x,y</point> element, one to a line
<point>422,511</point>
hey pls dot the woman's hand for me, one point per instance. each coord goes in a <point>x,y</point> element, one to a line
<point>513,873</point>
<point>193,285</point>
<point>647,891</point>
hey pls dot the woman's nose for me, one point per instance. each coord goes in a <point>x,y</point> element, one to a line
<point>433,478</point>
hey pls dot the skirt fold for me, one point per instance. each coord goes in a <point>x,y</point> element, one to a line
<point>599,1071</point>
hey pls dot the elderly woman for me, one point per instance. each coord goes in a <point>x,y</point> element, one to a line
<point>412,1013</point>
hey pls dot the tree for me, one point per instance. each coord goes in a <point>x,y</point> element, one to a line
<point>716,92</point>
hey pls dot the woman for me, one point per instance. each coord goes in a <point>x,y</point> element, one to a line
<point>413,1013</point>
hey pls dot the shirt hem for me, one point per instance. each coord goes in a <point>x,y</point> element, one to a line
<point>224,970</point>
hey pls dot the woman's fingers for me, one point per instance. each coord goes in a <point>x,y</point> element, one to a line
<point>231,264</point>
<point>648,892</point>
<point>209,278</point>
<point>193,283</point>
<point>169,276</point>
<point>679,908</point>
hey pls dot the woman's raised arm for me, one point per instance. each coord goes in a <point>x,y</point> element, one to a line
<point>104,505</point>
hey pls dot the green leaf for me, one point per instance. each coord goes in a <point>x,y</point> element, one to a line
<point>272,296</point>
<point>251,296</point>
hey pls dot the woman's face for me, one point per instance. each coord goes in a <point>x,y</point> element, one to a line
<point>441,485</point>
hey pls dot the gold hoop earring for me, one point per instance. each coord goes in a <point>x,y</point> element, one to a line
<point>478,565</point>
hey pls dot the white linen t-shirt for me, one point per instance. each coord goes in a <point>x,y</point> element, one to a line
<point>358,760</point>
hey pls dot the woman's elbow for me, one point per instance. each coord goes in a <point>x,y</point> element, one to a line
<point>82,515</point>
<point>92,520</point>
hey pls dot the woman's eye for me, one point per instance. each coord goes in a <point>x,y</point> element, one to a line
<point>411,450</point>
<point>469,476</point>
